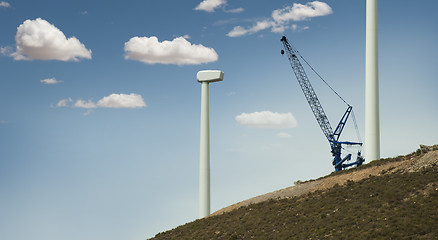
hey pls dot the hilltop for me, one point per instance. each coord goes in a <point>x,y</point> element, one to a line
<point>393,198</point>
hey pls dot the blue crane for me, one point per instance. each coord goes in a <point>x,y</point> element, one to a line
<point>318,111</point>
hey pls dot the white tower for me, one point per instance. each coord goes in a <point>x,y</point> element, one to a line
<point>205,77</point>
<point>372,131</point>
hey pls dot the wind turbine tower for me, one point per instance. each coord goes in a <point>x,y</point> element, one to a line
<point>205,77</point>
<point>372,129</point>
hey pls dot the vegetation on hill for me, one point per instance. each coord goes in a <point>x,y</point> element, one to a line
<point>401,205</point>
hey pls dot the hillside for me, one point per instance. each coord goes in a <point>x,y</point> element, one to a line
<point>393,198</point>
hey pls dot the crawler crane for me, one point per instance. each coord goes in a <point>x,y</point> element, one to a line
<point>318,111</point>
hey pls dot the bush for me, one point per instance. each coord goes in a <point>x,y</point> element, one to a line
<point>392,206</point>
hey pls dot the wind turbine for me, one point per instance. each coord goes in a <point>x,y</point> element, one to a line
<point>205,77</point>
<point>372,126</point>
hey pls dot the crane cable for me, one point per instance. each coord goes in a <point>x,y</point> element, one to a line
<point>355,126</point>
<point>320,76</point>
<point>352,112</point>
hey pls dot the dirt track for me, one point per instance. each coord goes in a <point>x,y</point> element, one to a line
<point>423,158</point>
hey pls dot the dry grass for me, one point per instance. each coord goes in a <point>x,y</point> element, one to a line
<point>394,204</point>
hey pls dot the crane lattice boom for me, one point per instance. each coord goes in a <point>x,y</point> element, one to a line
<point>308,91</point>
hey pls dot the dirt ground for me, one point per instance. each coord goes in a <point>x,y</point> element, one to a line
<point>422,158</point>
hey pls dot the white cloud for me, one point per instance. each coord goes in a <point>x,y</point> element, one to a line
<point>240,31</point>
<point>235,10</point>
<point>122,101</point>
<point>261,25</point>
<point>64,102</point>
<point>6,51</point>
<point>295,28</point>
<point>88,112</point>
<point>38,39</point>
<point>267,119</point>
<point>84,104</point>
<point>283,135</point>
<point>4,4</point>
<point>210,5</point>
<point>178,51</point>
<point>237,32</point>
<point>300,12</point>
<point>279,28</point>
<point>50,81</point>
<point>281,17</point>
<point>112,101</point>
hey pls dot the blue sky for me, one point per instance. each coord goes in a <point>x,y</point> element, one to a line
<point>100,108</point>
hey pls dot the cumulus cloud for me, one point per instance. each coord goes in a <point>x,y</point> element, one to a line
<point>38,39</point>
<point>112,101</point>
<point>122,101</point>
<point>4,4</point>
<point>267,119</point>
<point>300,12</point>
<point>178,51</point>
<point>210,5</point>
<point>280,18</point>
<point>50,81</point>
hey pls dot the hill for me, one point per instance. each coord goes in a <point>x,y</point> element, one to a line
<point>394,198</point>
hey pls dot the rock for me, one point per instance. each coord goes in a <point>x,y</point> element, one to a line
<point>425,149</point>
